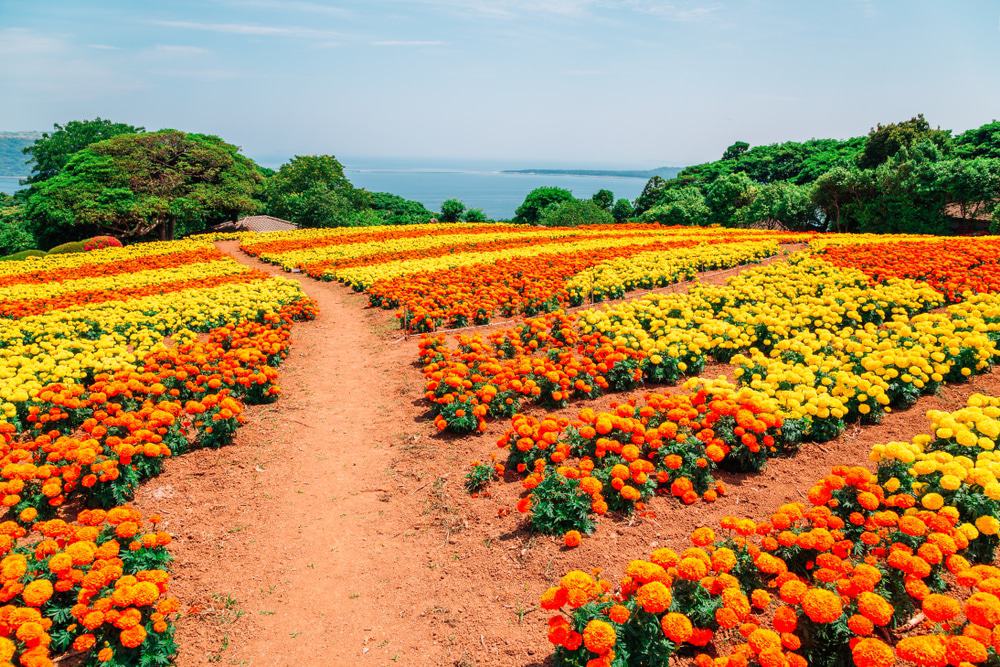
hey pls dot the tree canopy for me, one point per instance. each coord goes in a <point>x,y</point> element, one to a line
<point>52,150</point>
<point>312,191</point>
<point>133,185</point>
<point>529,212</point>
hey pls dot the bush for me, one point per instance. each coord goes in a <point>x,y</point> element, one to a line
<point>24,254</point>
<point>622,210</point>
<point>681,206</point>
<point>475,215</point>
<point>530,210</point>
<point>574,213</point>
<point>65,248</point>
<point>451,210</point>
<point>14,234</point>
<point>101,242</point>
<point>995,223</point>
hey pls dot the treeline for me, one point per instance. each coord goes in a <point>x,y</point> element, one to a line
<point>902,177</point>
<point>98,177</point>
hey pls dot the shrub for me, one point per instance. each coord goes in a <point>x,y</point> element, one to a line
<point>24,254</point>
<point>537,200</point>
<point>451,210</point>
<point>65,248</point>
<point>100,242</point>
<point>574,213</point>
<point>475,215</point>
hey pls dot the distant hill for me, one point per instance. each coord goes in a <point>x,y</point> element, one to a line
<point>663,172</point>
<point>13,161</point>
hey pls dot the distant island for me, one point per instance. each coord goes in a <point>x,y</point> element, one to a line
<point>662,172</point>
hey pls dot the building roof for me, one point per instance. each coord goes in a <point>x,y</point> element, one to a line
<point>256,223</point>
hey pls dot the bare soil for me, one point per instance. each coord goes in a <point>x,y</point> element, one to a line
<point>336,530</point>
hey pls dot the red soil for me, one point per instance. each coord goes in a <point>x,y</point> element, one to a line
<point>336,530</point>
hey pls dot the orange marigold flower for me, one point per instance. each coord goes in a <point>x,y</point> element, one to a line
<point>822,606</point>
<point>572,538</point>
<point>785,619</point>
<point>871,652</point>
<point>923,650</point>
<point>875,608</point>
<point>940,608</point>
<point>599,637</point>
<point>961,650</point>
<point>619,613</point>
<point>653,597</point>
<point>676,627</point>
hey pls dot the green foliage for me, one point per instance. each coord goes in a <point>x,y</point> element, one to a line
<point>395,210</point>
<point>559,505</point>
<point>650,195</point>
<point>479,476</point>
<point>14,233</point>
<point>729,193</point>
<point>134,184</point>
<point>50,153</point>
<point>475,215</point>
<point>622,210</point>
<point>735,150</point>
<point>67,248</point>
<point>995,221</point>
<point>366,217</point>
<point>451,210</point>
<point>785,203</point>
<point>24,254</point>
<point>574,213</point>
<point>680,206</point>
<point>885,141</point>
<point>982,141</point>
<point>603,198</point>
<point>530,211</point>
<point>312,191</point>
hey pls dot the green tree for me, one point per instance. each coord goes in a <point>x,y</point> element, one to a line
<point>680,206</point>
<point>982,141</point>
<point>727,194</point>
<point>788,204</point>
<point>735,150</point>
<point>622,210</point>
<point>529,212</point>
<point>969,184</point>
<point>52,151</point>
<point>837,193</point>
<point>885,141</point>
<point>651,194</point>
<point>451,210</point>
<point>395,210</point>
<point>475,215</point>
<point>995,221</point>
<point>134,184</point>
<point>604,198</point>
<point>14,232</point>
<point>573,213</point>
<point>312,191</point>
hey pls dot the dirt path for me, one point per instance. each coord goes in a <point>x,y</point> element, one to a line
<point>336,531</point>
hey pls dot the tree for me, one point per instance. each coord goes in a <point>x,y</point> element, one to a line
<point>573,213</point>
<point>785,203</point>
<point>969,184</point>
<point>622,210</point>
<point>134,184</point>
<point>727,194</point>
<point>995,221</point>
<point>451,210</point>
<point>530,210</point>
<point>475,215</point>
<point>735,150</point>
<point>651,194</point>
<point>603,198</point>
<point>52,151</point>
<point>982,141</point>
<point>680,206</point>
<point>834,192</point>
<point>395,210</point>
<point>884,141</point>
<point>312,191</point>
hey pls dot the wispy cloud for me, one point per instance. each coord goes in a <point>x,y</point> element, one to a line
<point>291,6</point>
<point>252,29</point>
<point>408,42</point>
<point>179,50</point>
<point>672,11</point>
<point>24,42</point>
<point>103,47</point>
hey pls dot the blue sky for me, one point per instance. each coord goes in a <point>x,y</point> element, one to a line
<point>587,82</point>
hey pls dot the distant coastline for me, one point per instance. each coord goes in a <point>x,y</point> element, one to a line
<point>662,172</point>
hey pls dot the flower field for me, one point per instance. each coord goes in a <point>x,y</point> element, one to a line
<point>113,361</point>
<point>606,378</point>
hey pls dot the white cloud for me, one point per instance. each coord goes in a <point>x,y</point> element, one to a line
<point>408,42</point>
<point>251,29</point>
<point>672,11</point>
<point>21,42</point>
<point>178,50</point>
<point>291,6</point>
<point>103,47</point>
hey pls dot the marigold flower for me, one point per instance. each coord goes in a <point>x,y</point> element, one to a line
<point>822,606</point>
<point>870,652</point>
<point>653,597</point>
<point>676,627</point>
<point>599,637</point>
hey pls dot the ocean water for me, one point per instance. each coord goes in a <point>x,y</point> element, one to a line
<point>482,186</point>
<point>496,193</point>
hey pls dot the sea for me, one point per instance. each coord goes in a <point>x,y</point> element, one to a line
<point>478,184</point>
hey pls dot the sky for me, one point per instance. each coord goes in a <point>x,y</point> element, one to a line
<point>598,83</point>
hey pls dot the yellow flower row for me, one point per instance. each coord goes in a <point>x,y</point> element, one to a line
<point>614,278</point>
<point>72,344</point>
<point>33,291</point>
<point>103,256</point>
